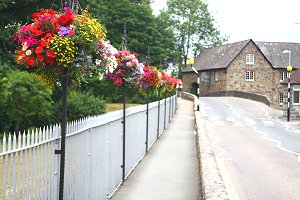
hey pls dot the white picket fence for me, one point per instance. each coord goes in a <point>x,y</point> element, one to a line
<point>30,169</point>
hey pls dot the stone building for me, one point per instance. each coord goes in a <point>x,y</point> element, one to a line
<point>246,69</point>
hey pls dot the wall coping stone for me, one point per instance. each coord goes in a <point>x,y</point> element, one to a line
<point>213,187</point>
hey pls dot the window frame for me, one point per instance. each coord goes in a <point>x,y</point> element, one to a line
<point>283,75</point>
<point>296,90</point>
<point>249,75</point>
<point>281,98</point>
<point>216,76</point>
<point>249,59</point>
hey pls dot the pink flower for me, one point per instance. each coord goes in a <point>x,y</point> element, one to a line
<point>118,81</point>
<point>128,64</point>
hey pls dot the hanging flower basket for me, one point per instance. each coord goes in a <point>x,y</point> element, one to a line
<point>170,84</point>
<point>150,79</point>
<point>55,41</point>
<point>128,69</point>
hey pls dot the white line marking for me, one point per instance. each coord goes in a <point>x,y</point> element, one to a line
<point>230,188</point>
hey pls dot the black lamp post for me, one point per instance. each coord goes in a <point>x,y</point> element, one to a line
<point>289,69</point>
<point>191,62</point>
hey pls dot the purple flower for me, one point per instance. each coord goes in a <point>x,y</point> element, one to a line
<point>63,31</point>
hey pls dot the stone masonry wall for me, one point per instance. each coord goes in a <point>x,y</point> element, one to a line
<point>266,78</point>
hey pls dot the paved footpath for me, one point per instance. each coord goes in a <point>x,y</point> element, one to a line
<point>170,170</point>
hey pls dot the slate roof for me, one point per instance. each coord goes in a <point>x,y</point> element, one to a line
<point>273,52</point>
<point>221,56</point>
<point>295,77</point>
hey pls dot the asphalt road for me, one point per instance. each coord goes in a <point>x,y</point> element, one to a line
<point>256,150</point>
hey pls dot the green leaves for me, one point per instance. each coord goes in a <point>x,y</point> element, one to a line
<point>26,100</point>
<point>193,26</point>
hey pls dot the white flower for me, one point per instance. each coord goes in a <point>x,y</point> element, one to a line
<point>98,62</point>
<point>28,52</point>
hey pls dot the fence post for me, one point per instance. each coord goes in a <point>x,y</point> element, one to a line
<point>147,121</point>
<point>158,113</point>
<point>172,106</point>
<point>170,99</point>
<point>124,129</point>
<point>55,183</point>
<point>165,112</point>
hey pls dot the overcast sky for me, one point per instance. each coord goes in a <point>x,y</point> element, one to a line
<point>260,20</point>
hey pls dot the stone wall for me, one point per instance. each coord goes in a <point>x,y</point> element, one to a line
<point>266,78</point>
<point>212,184</point>
<point>240,94</point>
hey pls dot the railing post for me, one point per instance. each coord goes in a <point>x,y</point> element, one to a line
<point>172,99</point>
<point>158,114</point>
<point>124,129</point>
<point>147,121</point>
<point>165,114</point>
<point>170,108</point>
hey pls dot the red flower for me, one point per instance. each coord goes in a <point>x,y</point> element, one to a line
<point>43,42</point>
<point>35,30</point>
<point>50,54</point>
<point>39,50</point>
<point>66,19</point>
<point>50,60</point>
<point>71,33</point>
<point>30,61</point>
<point>40,58</point>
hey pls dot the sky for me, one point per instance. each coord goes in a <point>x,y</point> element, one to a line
<point>260,20</point>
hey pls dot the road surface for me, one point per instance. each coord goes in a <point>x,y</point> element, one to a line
<point>256,150</point>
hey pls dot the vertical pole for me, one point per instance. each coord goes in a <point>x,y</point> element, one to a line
<point>170,107</point>
<point>165,112</point>
<point>158,113</point>
<point>289,95</point>
<point>147,121</point>
<point>124,129</point>
<point>63,134</point>
<point>198,92</point>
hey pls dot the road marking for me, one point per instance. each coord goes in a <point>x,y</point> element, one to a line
<point>230,188</point>
<point>268,123</point>
<point>250,121</point>
<point>231,119</point>
<point>237,124</point>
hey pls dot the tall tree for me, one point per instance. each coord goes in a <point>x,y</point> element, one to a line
<point>193,25</point>
<point>145,33</point>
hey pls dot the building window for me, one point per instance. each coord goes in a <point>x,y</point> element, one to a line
<point>202,76</point>
<point>216,76</point>
<point>281,98</point>
<point>283,75</point>
<point>249,76</point>
<point>296,95</point>
<point>250,59</point>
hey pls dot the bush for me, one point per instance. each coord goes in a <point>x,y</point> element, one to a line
<point>27,102</point>
<point>81,105</point>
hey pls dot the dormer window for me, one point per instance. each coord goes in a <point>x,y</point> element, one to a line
<point>250,59</point>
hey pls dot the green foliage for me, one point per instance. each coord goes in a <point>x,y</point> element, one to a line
<point>144,31</point>
<point>27,101</point>
<point>81,105</point>
<point>193,25</point>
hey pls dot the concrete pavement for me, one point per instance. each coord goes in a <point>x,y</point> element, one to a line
<point>170,170</point>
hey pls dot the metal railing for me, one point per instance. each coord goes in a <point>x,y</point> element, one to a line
<point>94,149</point>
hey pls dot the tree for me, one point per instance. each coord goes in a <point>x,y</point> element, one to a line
<point>193,26</point>
<point>144,31</point>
